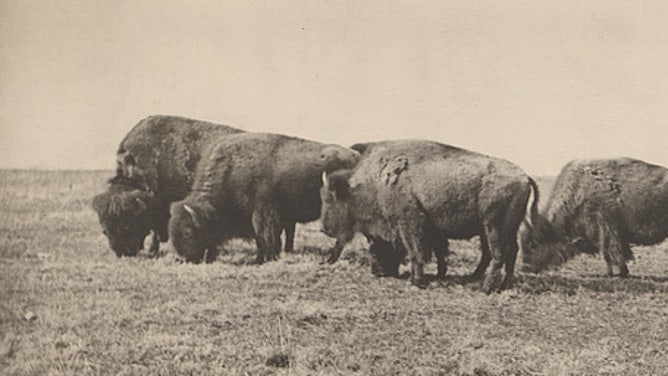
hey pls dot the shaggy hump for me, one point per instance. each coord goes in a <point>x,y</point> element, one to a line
<point>119,200</point>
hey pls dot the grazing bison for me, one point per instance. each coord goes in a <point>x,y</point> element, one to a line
<point>156,164</point>
<point>411,196</point>
<point>599,206</point>
<point>249,186</point>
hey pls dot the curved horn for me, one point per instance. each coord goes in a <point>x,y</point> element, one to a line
<point>141,203</point>
<point>190,210</point>
<point>193,214</point>
<point>325,180</point>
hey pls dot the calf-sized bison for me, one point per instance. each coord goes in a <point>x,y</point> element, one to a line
<point>599,205</point>
<point>410,196</point>
<point>156,164</point>
<point>249,186</point>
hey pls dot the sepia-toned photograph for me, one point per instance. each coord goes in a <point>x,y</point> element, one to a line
<point>321,187</point>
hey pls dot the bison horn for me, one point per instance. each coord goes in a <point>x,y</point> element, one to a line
<point>141,203</point>
<point>325,180</point>
<point>192,213</point>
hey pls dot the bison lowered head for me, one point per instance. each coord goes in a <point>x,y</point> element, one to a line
<point>542,248</point>
<point>189,227</point>
<point>336,217</point>
<point>125,215</point>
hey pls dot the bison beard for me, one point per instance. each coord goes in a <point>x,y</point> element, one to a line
<point>385,259</point>
<point>191,231</point>
<point>124,208</point>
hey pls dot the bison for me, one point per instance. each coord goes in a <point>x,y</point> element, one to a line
<point>249,186</point>
<point>156,165</point>
<point>411,196</point>
<point>599,206</point>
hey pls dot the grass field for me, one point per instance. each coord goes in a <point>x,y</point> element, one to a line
<point>69,306</point>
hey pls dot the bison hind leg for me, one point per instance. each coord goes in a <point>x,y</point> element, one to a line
<point>437,243</point>
<point>504,253</point>
<point>485,259</point>
<point>615,248</point>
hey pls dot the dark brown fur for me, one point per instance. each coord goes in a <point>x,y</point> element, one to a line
<point>599,206</point>
<point>248,187</point>
<point>409,197</point>
<point>158,157</point>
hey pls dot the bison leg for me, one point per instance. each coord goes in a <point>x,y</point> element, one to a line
<point>485,259</point>
<point>385,259</point>
<point>440,247</point>
<point>608,265</point>
<point>335,252</point>
<point>413,243</point>
<point>441,259</point>
<point>267,228</point>
<point>492,281</point>
<point>289,229</point>
<point>161,222</point>
<point>155,244</point>
<point>511,249</point>
<point>623,270</point>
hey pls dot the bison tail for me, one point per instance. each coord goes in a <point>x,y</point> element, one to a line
<point>532,210</point>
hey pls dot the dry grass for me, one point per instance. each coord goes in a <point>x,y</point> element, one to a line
<point>69,306</point>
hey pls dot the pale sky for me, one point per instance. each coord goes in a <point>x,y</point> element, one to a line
<point>535,82</point>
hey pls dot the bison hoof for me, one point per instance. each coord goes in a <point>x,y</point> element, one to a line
<point>421,283</point>
<point>383,274</point>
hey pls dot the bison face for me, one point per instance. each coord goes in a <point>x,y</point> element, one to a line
<point>186,232</point>
<point>124,214</point>
<point>542,248</point>
<point>337,157</point>
<point>335,217</point>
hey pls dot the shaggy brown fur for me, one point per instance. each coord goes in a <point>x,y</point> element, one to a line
<point>157,157</point>
<point>599,206</point>
<point>250,186</point>
<point>410,196</point>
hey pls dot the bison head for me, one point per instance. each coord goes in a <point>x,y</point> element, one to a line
<point>543,248</point>
<point>337,157</point>
<point>125,215</point>
<point>189,230</point>
<point>336,216</point>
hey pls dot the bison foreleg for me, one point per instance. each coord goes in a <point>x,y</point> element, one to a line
<point>385,259</point>
<point>335,252</point>
<point>155,244</point>
<point>267,227</point>
<point>289,229</point>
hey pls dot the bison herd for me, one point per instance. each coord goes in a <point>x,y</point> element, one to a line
<point>199,184</point>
